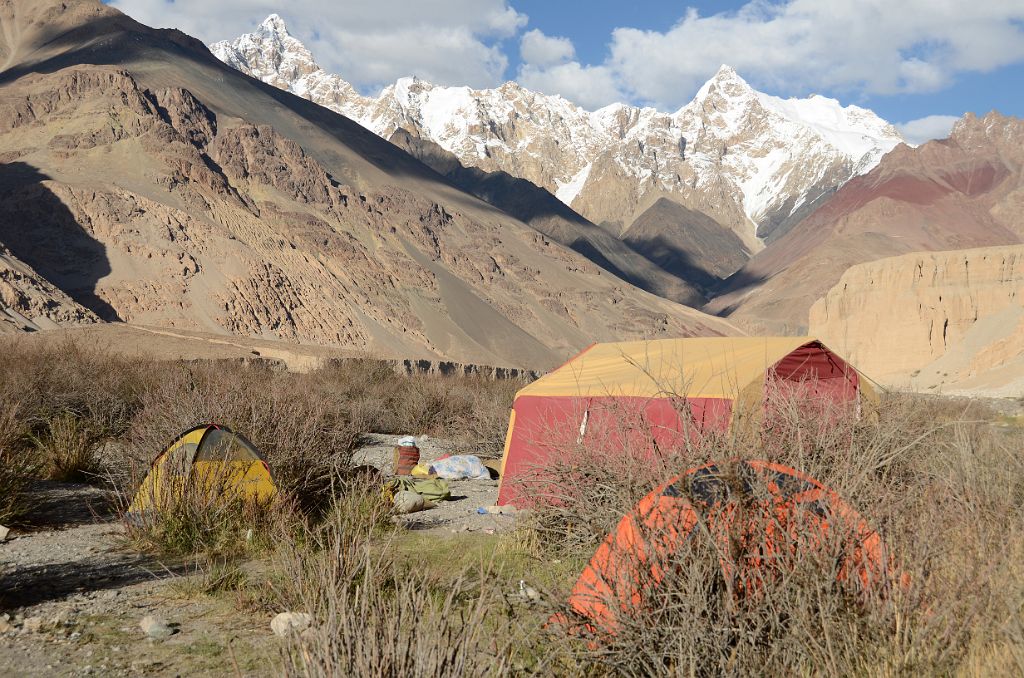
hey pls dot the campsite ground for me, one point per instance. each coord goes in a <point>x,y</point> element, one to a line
<point>77,592</point>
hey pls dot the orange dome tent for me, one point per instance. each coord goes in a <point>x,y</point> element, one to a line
<point>673,389</point>
<point>766,514</point>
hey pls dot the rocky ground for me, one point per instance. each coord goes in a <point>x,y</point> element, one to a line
<point>73,596</point>
<point>458,514</point>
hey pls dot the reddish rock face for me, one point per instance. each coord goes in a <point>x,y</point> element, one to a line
<point>962,192</point>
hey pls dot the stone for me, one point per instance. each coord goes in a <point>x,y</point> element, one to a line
<point>32,624</point>
<point>156,628</point>
<point>5,626</point>
<point>4,533</point>
<point>287,623</point>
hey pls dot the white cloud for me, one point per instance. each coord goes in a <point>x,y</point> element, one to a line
<point>538,49</point>
<point>369,42</point>
<point>927,128</point>
<point>548,66</point>
<point>589,86</point>
<point>847,46</point>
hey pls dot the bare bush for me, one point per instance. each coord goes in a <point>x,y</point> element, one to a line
<point>374,617</point>
<point>204,515</point>
<point>306,438</point>
<point>943,491</point>
<point>68,448</point>
<point>471,410</point>
<point>18,466</point>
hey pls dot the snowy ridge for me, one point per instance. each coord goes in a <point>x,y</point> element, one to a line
<point>749,159</point>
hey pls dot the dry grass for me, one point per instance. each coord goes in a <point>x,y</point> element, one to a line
<point>945,490</point>
<point>17,466</point>
<point>376,617</point>
<point>88,415</point>
<point>469,410</point>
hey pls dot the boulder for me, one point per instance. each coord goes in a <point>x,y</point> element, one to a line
<point>287,623</point>
<point>156,628</point>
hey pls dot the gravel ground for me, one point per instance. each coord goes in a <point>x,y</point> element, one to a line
<point>72,594</point>
<point>458,514</point>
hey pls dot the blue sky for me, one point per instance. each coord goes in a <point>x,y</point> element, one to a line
<point>590,30</point>
<point>917,62</point>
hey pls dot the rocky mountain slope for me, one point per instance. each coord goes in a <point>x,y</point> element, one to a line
<point>963,192</point>
<point>950,321</point>
<point>751,162</point>
<point>150,183</point>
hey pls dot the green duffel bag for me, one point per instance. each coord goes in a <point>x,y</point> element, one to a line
<point>431,489</point>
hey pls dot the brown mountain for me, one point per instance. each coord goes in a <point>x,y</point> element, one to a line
<point>687,243</point>
<point>962,192</point>
<point>147,182</point>
<point>549,215</point>
<point>932,321</point>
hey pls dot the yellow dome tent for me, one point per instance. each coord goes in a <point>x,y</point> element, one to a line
<point>210,459</point>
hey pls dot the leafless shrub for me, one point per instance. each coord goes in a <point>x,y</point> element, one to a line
<point>374,617</point>
<point>68,448</point>
<point>203,515</point>
<point>946,493</point>
<point>306,438</point>
<point>18,465</point>
<point>471,410</point>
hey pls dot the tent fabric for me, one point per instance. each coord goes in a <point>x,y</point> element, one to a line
<point>709,367</point>
<point>212,458</point>
<point>786,512</point>
<point>657,394</point>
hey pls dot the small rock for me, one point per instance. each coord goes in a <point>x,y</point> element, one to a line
<point>5,626</point>
<point>75,635</point>
<point>156,628</point>
<point>4,532</point>
<point>62,618</point>
<point>528,593</point>
<point>111,594</point>
<point>33,624</point>
<point>288,623</point>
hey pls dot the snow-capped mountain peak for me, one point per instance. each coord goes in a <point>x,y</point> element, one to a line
<point>726,82</point>
<point>273,25</point>
<point>749,160</point>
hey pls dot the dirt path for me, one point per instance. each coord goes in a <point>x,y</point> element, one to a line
<point>72,597</point>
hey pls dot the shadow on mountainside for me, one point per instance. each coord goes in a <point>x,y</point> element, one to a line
<point>42,232</point>
<point>179,60</point>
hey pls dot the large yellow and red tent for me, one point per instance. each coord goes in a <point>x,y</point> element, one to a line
<point>674,388</point>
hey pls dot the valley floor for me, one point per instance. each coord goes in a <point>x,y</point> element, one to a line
<point>74,593</point>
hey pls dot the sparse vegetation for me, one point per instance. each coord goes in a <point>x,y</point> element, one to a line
<point>81,413</point>
<point>942,481</point>
<point>18,466</point>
